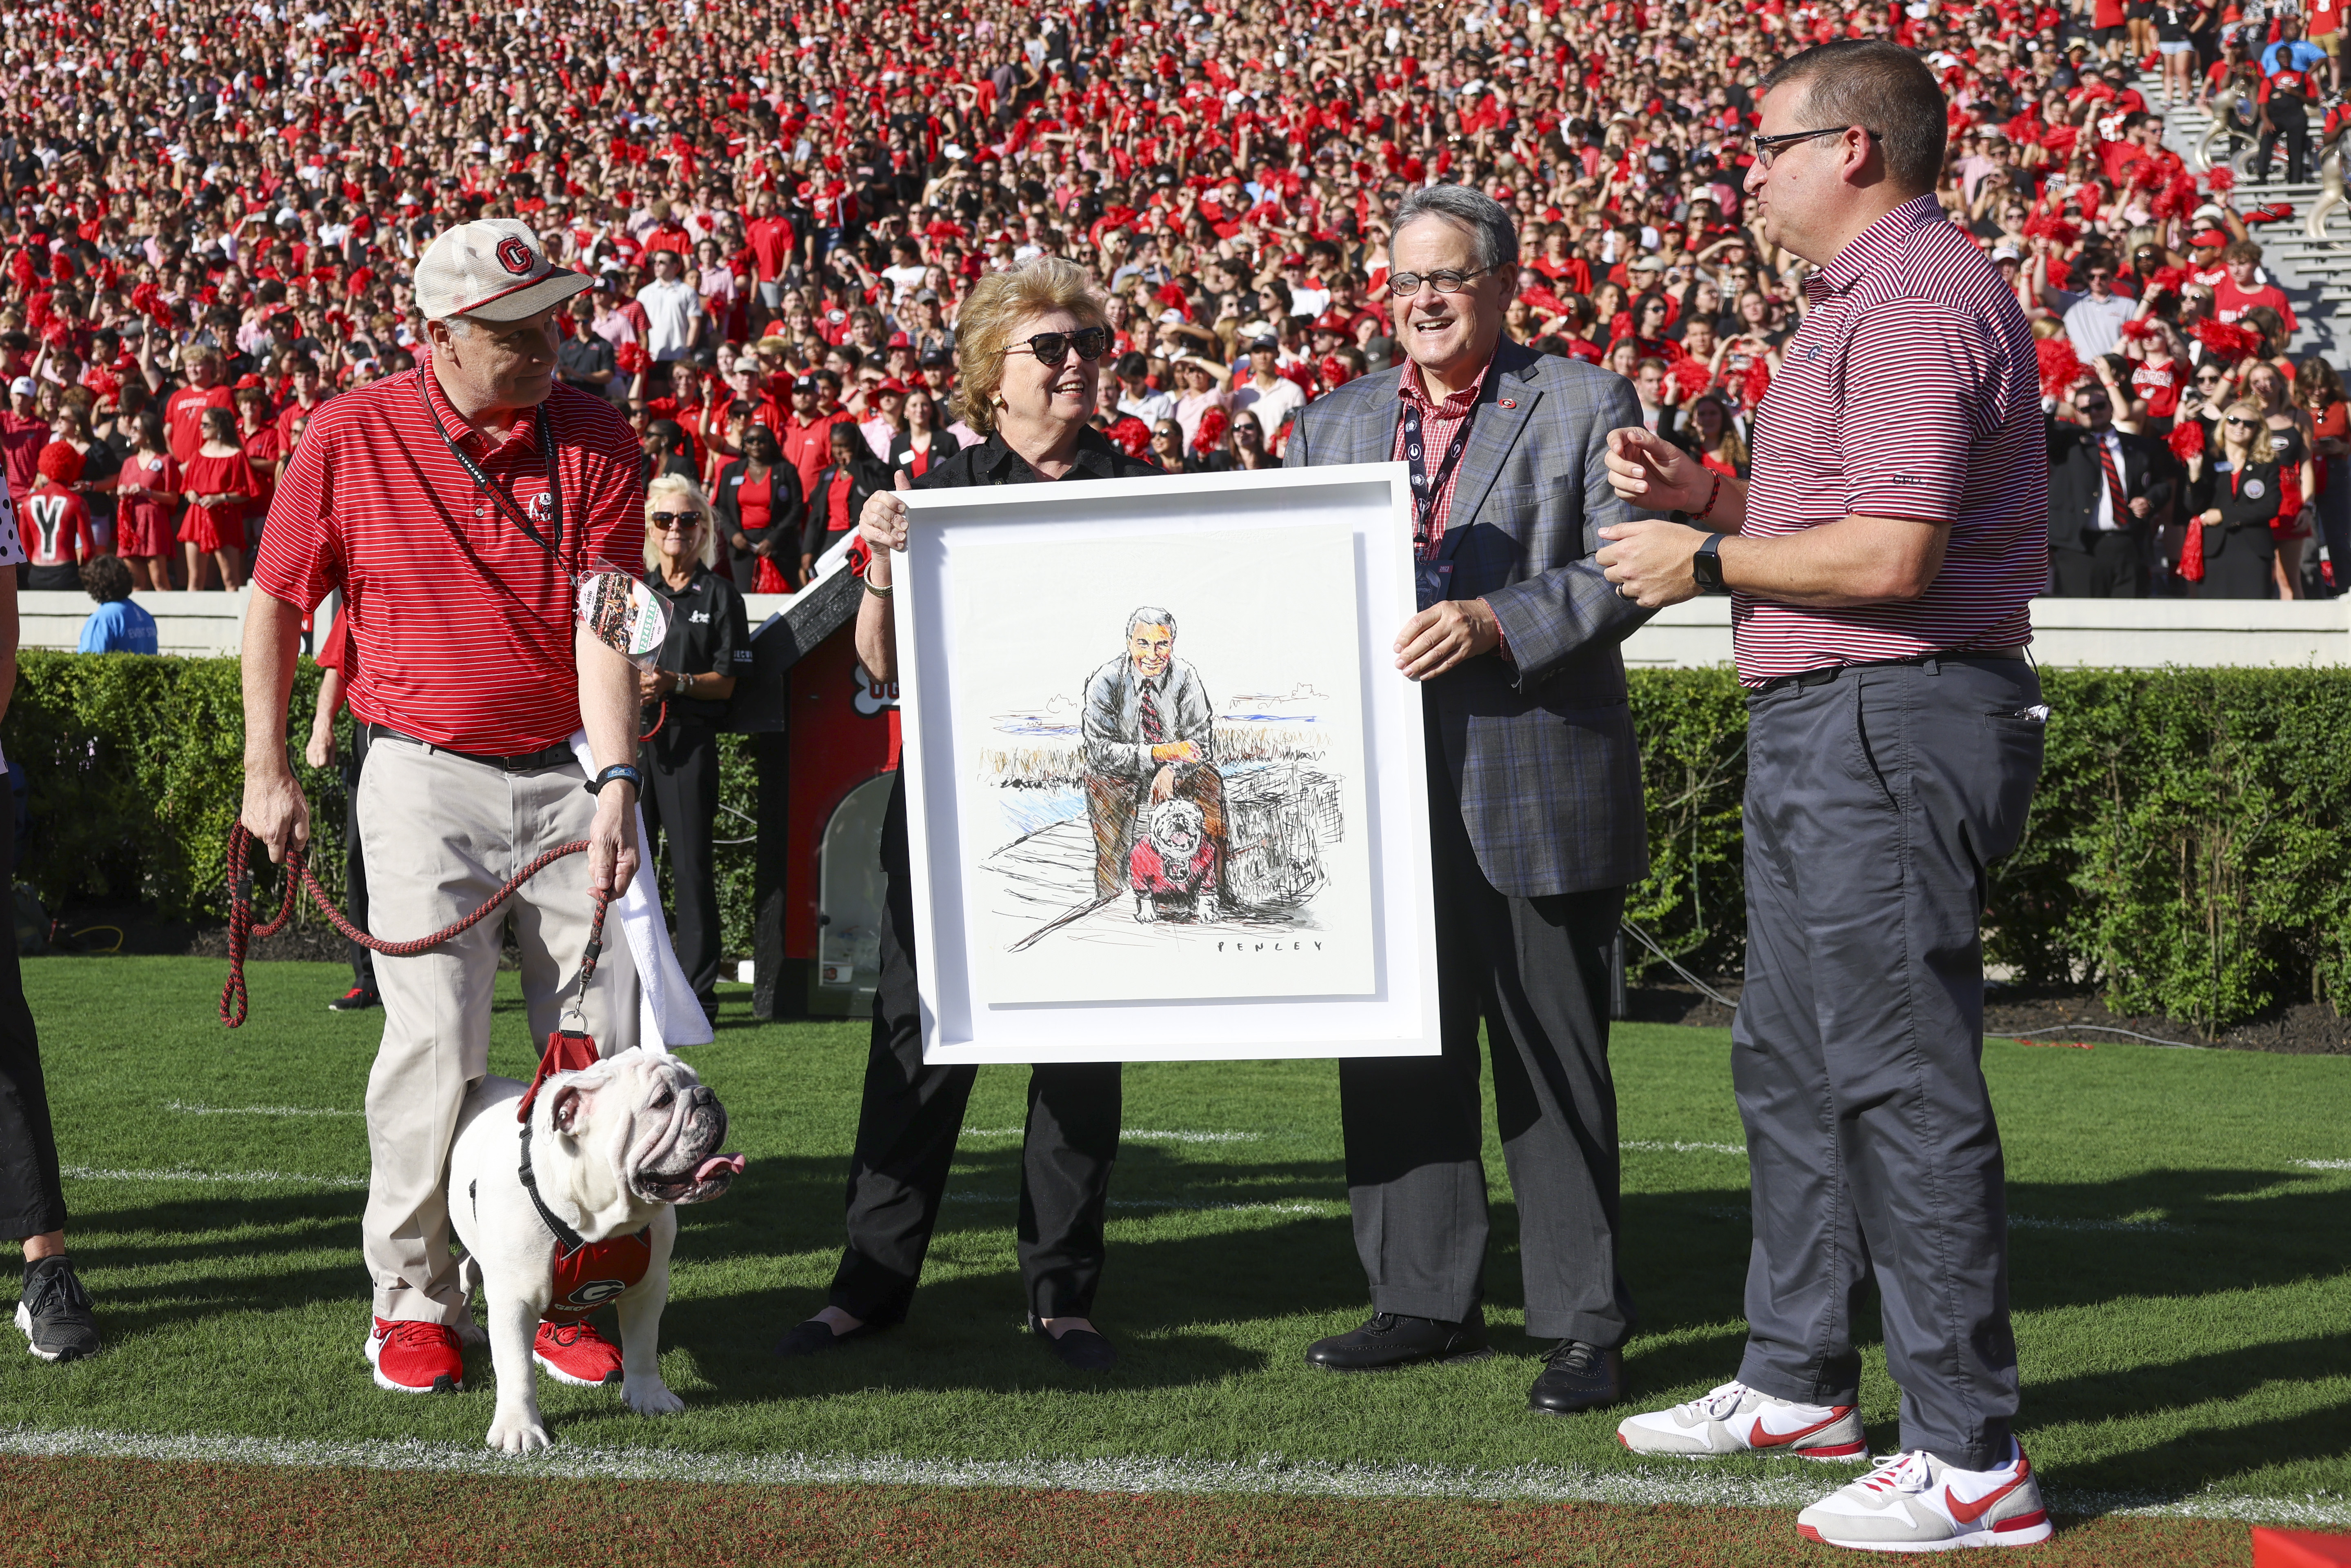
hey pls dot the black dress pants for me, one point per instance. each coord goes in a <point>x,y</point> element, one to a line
<point>2113,567</point>
<point>32,1198</point>
<point>906,1130</point>
<point>2295,133</point>
<point>1536,971</point>
<point>681,807</point>
<point>355,888</point>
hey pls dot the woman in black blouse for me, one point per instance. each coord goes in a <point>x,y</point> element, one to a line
<point>1030,347</point>
<point>2236,494</point>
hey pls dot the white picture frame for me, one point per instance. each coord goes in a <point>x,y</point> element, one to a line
<point>948,654</point>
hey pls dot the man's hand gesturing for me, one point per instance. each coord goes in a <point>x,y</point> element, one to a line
<point>1651,472</point>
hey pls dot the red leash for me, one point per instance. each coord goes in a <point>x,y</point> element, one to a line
<point>242,930</point>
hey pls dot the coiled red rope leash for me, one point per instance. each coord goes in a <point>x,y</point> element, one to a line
<point>242,930</point>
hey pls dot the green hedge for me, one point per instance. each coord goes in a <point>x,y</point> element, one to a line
<point>2187,854</point>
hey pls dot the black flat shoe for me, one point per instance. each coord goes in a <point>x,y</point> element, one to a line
<point>815,1337</point>
<point>1079,1349</point>
<point>1391,1339</point>
<point>1577,1377</point>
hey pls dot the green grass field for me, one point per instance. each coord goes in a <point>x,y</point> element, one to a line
<point>2179,1264</point>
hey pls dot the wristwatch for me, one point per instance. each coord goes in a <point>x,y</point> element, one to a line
<point>620,770</point>
<point>1706,566</point>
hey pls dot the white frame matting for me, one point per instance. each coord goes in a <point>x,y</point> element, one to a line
<point>1399,1017</point>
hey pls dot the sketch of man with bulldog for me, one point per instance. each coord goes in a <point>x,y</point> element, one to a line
<point>1150,739</point>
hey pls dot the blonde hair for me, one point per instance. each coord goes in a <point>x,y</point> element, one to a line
<point>2263,446</point>
<point>678,484</point>
<point>996,304</point>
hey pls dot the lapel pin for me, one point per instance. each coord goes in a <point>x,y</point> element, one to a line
<point>1509,403</point>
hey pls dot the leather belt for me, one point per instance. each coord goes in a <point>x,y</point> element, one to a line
<point>521,762</point>
<point>1828,673</point>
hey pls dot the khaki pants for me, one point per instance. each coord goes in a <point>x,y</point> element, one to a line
<point>440,835</point>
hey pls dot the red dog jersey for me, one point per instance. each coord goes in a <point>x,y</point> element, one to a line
<point>1147,872</point>
<point>596,1273</point>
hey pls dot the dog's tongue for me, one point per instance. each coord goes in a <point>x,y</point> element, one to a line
<point>730,1163</point>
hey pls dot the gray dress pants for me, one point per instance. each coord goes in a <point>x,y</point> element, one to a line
<point>1535,971</point>
<point>1875,800</point>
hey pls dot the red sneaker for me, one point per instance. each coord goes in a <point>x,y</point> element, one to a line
<point>416,1358</point>
<point>576,1354</point>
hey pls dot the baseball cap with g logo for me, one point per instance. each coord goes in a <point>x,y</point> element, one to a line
<point>494,269</point>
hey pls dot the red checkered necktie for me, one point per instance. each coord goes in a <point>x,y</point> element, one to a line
<point>2113,481</point>
<point>1155,729</point>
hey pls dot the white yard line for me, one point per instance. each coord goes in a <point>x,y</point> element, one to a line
<point>1653,1146</point>
<point>187,1110</point>
<point>1271,1205</point>
<point>289,1178</point>
<point>1135,1135</point>
<point>1684,1484</point>
<point>2325,1164</point>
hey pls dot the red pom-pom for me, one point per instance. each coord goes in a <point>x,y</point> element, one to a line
<point>1210,433</point>
<point>2138,328</point>
<point>2222,178</point>
<point>2187,440</point>
<point>2051,228</point>
<point>2061,367</point>
<point>2168,278</point>
<point>1132,434</point>
<point>2228,342</point>
<point>1690,376</point>
<point>1758,381</point>
<point>630,358</point>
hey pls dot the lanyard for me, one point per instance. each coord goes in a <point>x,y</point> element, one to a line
<point>1425,490</point>
<point>482,481</point>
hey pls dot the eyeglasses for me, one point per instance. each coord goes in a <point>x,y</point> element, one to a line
<point>2092,406</point>
<point>2248,423</point>
<point>1445,280</point>
<point>1052,349</point>
<point>1768,146</point>
<point>684,522</point>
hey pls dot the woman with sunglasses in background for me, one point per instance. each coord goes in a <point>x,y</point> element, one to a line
<point>684,697</point>
<point>1028,351</point>
<point>2235,493</point>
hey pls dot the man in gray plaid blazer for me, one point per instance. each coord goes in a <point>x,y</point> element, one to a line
<point>1535,809</point>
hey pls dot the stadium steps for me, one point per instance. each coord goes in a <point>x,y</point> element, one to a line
<point>2314,274</point>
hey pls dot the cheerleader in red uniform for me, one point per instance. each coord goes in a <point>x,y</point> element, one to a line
<point>147,489</point>
<point>220,485</point>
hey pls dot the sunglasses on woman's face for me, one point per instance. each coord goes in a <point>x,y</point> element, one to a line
<point>2248,423</point>
<point>1053,348</point>
<point>684,522</point>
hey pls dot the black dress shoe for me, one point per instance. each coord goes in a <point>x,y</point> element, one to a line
<point>1079,1349</point>
<point>1580,1377</point>
<point>815,1336</point>
<point>1393,1340</point>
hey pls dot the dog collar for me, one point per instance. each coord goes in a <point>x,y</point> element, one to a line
<point>568,1240</point>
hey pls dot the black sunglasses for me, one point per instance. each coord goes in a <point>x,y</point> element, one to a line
<point>675,519</point>
<point>1052,349</point>
<point>2248,423</point>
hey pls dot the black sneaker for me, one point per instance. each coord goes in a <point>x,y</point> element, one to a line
<point>55,1311</point>
<point>358,999</point>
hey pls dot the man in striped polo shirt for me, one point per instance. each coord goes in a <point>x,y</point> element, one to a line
<point>1880,561</point>
<point>454,506</point>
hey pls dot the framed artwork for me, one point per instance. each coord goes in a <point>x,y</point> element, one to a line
<point>1165,788</point>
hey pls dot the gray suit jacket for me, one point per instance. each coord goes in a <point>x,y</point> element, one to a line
<point>1541,747</point>
<point>1113,719</point>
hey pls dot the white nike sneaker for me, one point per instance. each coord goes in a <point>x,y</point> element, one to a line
<point>1736,1420</point>
<point>1915,1502</point>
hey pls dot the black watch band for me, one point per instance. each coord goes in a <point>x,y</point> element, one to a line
<point>620,771</point>
<point>1706,566</point>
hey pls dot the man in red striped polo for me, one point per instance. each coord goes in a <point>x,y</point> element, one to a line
<point>455,507</point>
<point>1880,561</point>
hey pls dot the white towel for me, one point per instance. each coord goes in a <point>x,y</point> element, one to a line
<point>667,1013</point>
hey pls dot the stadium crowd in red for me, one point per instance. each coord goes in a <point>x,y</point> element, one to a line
<point>215,206</point>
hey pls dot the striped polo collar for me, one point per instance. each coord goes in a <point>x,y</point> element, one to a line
<point>1881,244</point>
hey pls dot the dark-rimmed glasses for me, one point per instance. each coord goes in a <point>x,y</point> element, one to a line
<point>1052,349</point>
<point>684,522</point>
<point>1768,146</point>
<point>1445,280</point>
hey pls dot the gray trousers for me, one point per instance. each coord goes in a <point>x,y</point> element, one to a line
<point>1536,971</point>
<point>440,833</point>
<point>1874,802</point>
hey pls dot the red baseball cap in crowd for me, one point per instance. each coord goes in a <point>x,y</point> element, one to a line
<point>2215,238</point>
<point>493,268</point>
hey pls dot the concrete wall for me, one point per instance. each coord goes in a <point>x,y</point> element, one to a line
<point>2141,633</point>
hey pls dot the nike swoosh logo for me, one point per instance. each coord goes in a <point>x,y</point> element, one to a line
<point>1969,1512</point>
<point>1758,1436</point>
